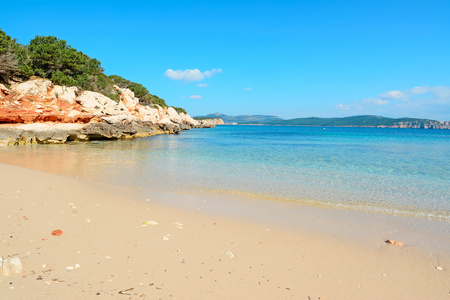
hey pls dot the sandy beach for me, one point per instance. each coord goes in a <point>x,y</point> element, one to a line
<point>114,244</point>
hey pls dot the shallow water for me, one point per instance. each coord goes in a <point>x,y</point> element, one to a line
<point>380,170</point>
<point>389,171</point>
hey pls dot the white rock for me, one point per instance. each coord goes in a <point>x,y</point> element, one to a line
<point>148,114</point>
<point>187,119</point>
<point>12,266</point>
<point>65,93</point>
<point>128,98</point>
<point>165,120</point>
<point>173,115</point>
<point>100,105</point>
<point>33,87</point>
<point>119,118</point>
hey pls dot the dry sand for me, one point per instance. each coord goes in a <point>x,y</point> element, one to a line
<point>186,255</point>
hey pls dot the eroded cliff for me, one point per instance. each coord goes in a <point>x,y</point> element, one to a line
<point>38,111</point>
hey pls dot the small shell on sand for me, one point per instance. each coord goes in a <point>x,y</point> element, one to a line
<point>395,243</point>
<point>229,254</point>
<point>57,232</point>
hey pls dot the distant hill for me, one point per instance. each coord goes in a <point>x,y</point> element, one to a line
<point>243,119</point>
<point>364,121</point>
<point>354,121</point>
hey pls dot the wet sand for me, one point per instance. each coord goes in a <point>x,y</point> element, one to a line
<point>105,251</point>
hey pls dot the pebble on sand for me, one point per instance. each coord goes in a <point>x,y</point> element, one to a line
<point>395,243</point>
<point>57,232</point>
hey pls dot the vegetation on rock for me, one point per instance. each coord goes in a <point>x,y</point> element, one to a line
<point>179,110</point>
<point>140,91</point>
<point>52,58</point>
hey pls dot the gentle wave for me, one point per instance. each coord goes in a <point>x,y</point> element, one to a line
<point>361,206</point>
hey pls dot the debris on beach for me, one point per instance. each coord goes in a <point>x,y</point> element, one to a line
<point>229,254</point>
<point>57,232</point>
<point>12,266</point>
<point>123,292</point>
<point>178,225</point>
<point>146,223</point>
<point>76,266</point>
<point>439,268</point>
<point>395,243</point>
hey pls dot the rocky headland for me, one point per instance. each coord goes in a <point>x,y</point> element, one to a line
<point>38,111</point>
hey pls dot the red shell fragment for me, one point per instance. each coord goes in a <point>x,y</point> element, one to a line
<point>57,232</point>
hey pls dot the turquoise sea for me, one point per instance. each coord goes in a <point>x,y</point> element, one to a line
<point>389,171</point>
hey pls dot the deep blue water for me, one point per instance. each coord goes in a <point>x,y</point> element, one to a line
<point>395,171</point>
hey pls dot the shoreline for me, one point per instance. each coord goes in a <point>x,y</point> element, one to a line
<point>189,255</point>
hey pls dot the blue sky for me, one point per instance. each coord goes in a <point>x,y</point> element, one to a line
<point>286,58</point>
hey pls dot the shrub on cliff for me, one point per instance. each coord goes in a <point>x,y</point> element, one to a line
<point>140,91</point>
<point>52,58</point>
<point>179,110</point>
<point>13,59</point>
<point>50,55</point>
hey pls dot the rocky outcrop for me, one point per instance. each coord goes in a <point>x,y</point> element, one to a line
<point>423,124</point>
<point>48,113</point>
<point>187,119</point>
<point>208,123</point>
<point>100,105</point>
<point>39,101</point>
<point>59,133</point>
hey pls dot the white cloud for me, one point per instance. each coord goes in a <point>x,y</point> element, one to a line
<point>190,75</point>
<point>406,94</point>
<point>343,107</point>
<point>196,97</point>
<point>202,85</point>
<point>212,72</point>
<point>442,93</point>
<point>421,102</point>
<point>376,101</point>
<point>419,90</point>
<point>248,89</point>
<point>392,95</point>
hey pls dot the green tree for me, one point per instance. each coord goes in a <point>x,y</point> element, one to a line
<point>13,58</point>
<point>52,58</point>
<point>49,55</point>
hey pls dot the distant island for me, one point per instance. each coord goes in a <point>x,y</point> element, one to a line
<point>353,121</point>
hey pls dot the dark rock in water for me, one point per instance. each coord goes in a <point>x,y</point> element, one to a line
<point>170,128</point>
<point>185,127</point>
